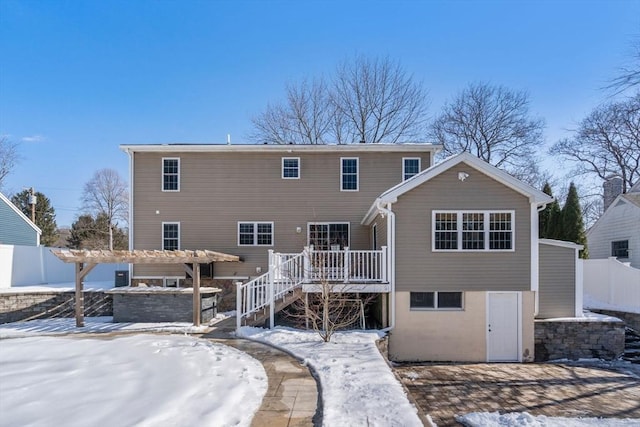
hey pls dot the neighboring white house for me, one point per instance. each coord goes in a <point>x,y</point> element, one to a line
<point>617,231</point>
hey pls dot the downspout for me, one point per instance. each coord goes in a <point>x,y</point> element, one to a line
<point>391,255</point>
<point>130,153</point>
<point>535,249</point>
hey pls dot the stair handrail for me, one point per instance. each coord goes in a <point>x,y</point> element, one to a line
<point>282,277</point>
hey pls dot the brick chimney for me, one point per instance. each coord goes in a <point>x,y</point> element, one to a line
<point>612,189</point>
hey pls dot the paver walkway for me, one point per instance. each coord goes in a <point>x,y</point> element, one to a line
<point>444,391</point>
<point>292,394</point>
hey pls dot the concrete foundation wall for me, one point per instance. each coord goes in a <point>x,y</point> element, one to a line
<point>578,339</point>
<point>44,305</point>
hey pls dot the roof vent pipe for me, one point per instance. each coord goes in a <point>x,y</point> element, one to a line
<point>362,141</point>
<point>228,139</point>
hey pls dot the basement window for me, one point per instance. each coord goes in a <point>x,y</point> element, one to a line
<point>439,300</point>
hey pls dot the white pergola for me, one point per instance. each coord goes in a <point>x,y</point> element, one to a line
<point>86,260</point>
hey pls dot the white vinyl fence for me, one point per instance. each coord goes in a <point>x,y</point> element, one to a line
<point>36,265</point>
<point>612,282</point>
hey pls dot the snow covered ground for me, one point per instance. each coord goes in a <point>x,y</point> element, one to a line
<point>141,380</point>
<point>524,419</point>
<point>358,387</point>
<point>158,380</point>
<point>58,287</point>
<point>61,326</point>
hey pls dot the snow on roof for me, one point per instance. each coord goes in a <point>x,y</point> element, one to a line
<point>287,148</point>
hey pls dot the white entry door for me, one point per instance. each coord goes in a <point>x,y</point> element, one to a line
<point>503,326</point>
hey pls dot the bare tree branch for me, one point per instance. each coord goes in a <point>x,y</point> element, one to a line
<point>367,100</point>
<point>493,123</point>
<point>607,142</point>
<point>9,157</point>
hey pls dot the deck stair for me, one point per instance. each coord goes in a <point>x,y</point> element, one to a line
<point>260,317</point>
<point>261,298</point>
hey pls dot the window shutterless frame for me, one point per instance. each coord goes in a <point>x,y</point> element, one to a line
<point>170,174</point>
<point>475,230</point>
<point>349,174</point>
<point>290,168</point>
<point>436,301</point>
<point>170,236</point>
<point>410,167</point>
<point>252,233</point>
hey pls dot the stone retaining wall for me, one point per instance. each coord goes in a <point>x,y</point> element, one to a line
<point>578,339</point>
<point>632,320</point>
<point>226,298</point>
<point>43,305</point>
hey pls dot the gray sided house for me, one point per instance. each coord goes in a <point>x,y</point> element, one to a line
<point>451,250</point>
<point>617,232</point>
<point>15,227</point>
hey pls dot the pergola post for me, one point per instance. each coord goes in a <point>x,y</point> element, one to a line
<point>197,305</point>
<point>81,272</point>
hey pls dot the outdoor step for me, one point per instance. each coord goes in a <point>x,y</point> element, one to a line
<point>261,317</point>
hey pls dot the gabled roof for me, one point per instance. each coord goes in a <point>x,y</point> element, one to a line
<point>630,199</point>
<point>20,214</point>
<point>392,194</point>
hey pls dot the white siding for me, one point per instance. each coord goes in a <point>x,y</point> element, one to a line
<point>620,222</point>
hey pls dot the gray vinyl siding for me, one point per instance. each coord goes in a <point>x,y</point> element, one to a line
<point>418,268</point>
<point>557,282</point>
<point>13,228</point>
<point>382,230</point>
<point>219,189</point>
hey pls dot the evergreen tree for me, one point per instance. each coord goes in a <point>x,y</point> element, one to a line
<point>88,232</point>
<point>45,215</point>
<point>554,222</point>
<point>543,216</point>
<point>572,223</point>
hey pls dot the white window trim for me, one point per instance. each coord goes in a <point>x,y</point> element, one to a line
<point>404,165</point>
<point>299,168</point>
<point>486,230</point>
<point>435,302</point>
<point>357,159</point>
<point>309,224</point>
<point>162,175</point>
<point>255,232</point>
<point>179,234</point>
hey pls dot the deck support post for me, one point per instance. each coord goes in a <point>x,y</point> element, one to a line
<point>197,304</point>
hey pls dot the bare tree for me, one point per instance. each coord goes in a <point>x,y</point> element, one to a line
<point>493,123</point>
<point>333,305</point>
<point>377,101</point>
<point>607,142</point>
<point>305,117</point>
<point>370,100</point>
<point>628,76</point>
<point>106,193</point>
<point>9,157</point>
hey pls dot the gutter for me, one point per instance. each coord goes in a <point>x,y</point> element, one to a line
<point>391,266</point>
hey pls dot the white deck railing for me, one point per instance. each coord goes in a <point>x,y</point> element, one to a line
<point>288,271</point>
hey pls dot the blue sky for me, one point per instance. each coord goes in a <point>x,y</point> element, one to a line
<point>78,78</point>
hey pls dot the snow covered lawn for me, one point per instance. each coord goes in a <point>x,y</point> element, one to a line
<point>358,387</point>
<point>141,380</point>
<point>524,419</point>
